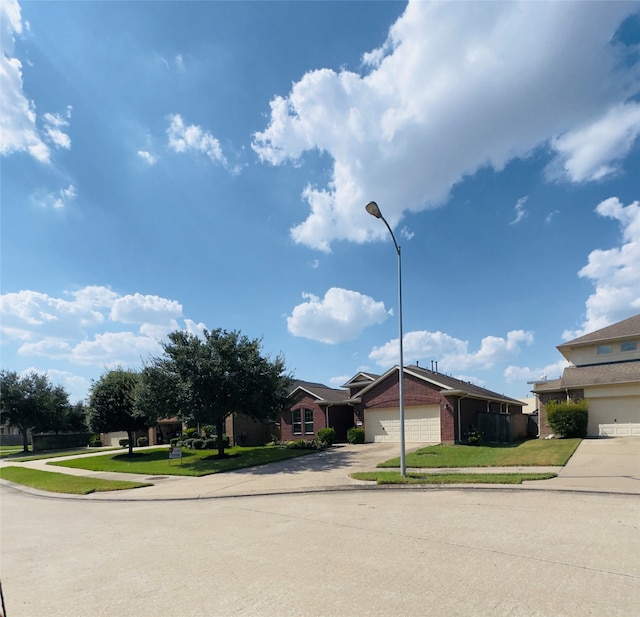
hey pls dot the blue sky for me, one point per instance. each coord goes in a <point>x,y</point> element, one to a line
<point>206,164</point>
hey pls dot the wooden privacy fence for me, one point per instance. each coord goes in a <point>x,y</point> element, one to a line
<point>502,428</point>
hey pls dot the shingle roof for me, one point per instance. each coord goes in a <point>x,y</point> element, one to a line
<point>594,375</point>
<point>321,392</point>
<point>451,383</point>
<point>623,329</point>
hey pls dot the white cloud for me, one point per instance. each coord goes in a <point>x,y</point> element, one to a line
<point>456,87</point>
<point>615,272</point>
<point>523,374</point>
<point>90,326</point>
<point>53,125</point>
<point>549,218</point>
<point>18,119</point>
<point>594,151</point>
<point>340,316</point>
<point>339,380</point>
<point>452,354</point>
<point>520,211</point>
<point>56,199</point>
<point>147,157</point>
<point>406,233</point>
<point>19,122</point>
<point>147,309</point>
<point>192,138</point>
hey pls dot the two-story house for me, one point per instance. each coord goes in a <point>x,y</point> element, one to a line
<point>605,371</point>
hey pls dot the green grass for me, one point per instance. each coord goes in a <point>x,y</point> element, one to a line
<point>394,477</point>
<point>194,462</point>
<point>533,453</point>
<point>64,483</point>
<point>36,456</point>
<point>9,450</point>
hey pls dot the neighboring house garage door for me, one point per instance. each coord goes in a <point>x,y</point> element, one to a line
<point>614,417</point>
<point>421,424</point>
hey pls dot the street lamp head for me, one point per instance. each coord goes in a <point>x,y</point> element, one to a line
<point>373,210</point>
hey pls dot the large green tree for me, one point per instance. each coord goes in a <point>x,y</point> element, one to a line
<point>114,404</point>
<point>31,403</point>
<point>205,379</point>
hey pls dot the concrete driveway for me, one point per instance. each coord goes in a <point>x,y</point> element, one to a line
<point>604,465</point>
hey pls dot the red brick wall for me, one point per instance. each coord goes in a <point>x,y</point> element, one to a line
<point>416,392</point>
<point>286,425</point>
<point>546,397</point>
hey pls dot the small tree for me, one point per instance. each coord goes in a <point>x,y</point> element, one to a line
<point>114,405</point>
<point>568,419</point>
<point>205,379</point>
<point>31,403</point>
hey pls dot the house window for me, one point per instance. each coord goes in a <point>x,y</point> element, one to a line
<point>308,422</point>
<point>297,424</point>
<point>603,349</point>
<point>629,346</point>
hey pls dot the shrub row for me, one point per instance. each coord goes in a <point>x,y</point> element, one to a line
<point>200,444</point>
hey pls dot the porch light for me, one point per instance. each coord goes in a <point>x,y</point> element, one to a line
<point>373,210</point>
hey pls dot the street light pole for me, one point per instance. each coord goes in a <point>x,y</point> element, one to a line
<point>373,210</point>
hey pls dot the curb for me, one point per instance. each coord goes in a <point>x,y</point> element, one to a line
<point>95,497</point>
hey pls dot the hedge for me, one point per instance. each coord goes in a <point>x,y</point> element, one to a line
<point>568,419</point>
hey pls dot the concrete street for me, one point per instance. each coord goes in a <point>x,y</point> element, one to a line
<point>383,552</point>
<point>296,539</point>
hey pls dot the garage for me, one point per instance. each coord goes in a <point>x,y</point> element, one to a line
<point>614,417</point>
<point>421,424</point>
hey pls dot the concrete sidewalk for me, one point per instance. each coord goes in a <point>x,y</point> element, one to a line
<point>598,465</point>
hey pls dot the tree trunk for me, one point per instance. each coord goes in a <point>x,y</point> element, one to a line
<point>25,442</point>
<point>131,435</point>
<point>220,436</point>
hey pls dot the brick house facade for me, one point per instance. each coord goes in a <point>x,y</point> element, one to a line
<point>453,406</point>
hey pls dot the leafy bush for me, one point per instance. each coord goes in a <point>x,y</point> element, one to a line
<point>143,441</point>
<point>355,435</point>
<point>188,433</point>
<point>210,444</point>
<point>197,444</point>
<point>188,443</point>
<point>327,436</point>
<point>475,437</point>
<point>568,419</point>
<point>95,442</point>
<point>208,431</point>
<point>124,443</point>
<point>174,442</point>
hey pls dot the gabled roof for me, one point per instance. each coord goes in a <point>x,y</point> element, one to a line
<point>448,384</point>
<point>361,379</point>
<point>322,393</point>
<point>621,330</point>
<point>593,375</point>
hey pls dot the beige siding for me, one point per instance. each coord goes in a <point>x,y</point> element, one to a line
<point>581,356</point>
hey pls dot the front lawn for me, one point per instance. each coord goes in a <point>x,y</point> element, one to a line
<point>62,482</point>
<point>9,451</point>
<point>194,462</point>
<point>394,477</point>
<point>36,456</point>
<point>533,453</point>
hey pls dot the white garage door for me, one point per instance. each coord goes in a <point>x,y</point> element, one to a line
<point>614,417</point>
<point>421,424</point>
